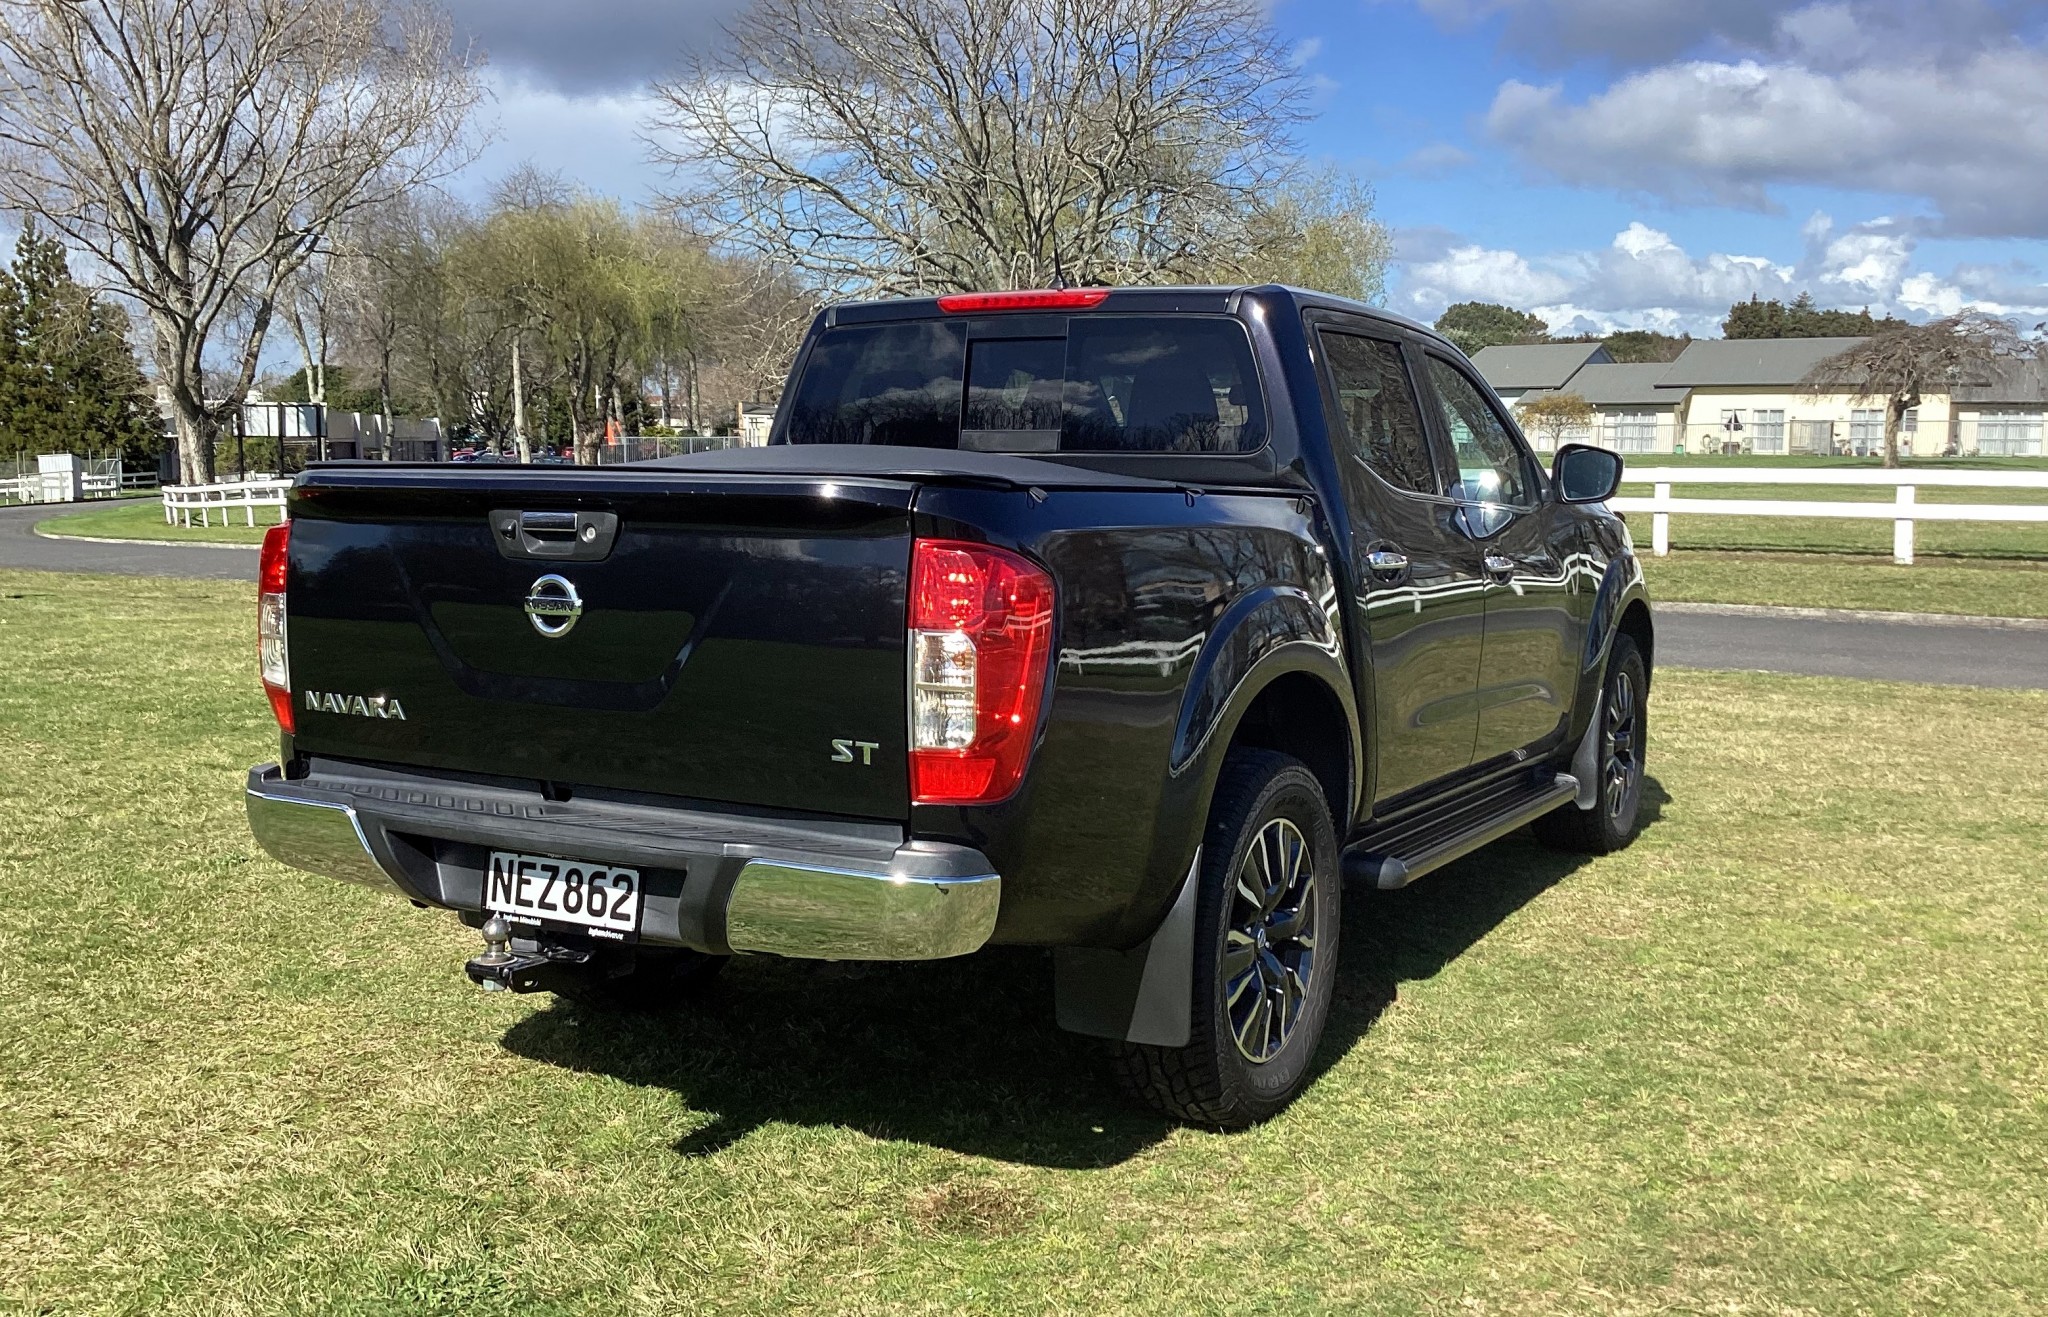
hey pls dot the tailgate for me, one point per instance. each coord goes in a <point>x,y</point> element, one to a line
<point>740,639</point>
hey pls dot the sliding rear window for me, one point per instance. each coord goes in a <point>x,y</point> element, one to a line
<point>1108,384</point>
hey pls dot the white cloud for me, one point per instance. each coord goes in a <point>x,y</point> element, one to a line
<point>1645,280</point>
<point>1474,273</point>
<point>1965,132</point>
<point>1623,30</point>
<point>1828,33</point>
<point>1435,160</point>
<point>590,139</point>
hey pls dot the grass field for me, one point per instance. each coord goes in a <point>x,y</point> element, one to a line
<point>143,519</point>
<point>1782,1056</point>
<point>1847,463</point>
<point>1981,586</point>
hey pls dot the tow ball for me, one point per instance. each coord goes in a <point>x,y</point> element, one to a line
<point>548,967</point>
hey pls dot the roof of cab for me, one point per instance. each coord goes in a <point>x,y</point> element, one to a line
<point>1194,297</point>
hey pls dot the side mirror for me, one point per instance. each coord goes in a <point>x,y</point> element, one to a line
<point>1584,474</point>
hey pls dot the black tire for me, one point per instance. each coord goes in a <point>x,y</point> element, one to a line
<point>655,979</point>
<point>1264,799</point>
<point>1624,714</point>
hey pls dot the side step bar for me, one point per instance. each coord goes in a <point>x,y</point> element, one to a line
<point>1402,852</point>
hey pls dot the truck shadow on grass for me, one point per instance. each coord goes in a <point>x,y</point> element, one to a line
<point>964,1055</point>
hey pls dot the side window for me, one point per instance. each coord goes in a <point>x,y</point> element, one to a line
<point>1491,465</point>
<point>1379,411</point>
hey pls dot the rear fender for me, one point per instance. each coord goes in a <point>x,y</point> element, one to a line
<point>1620,587</point>
<point>1144,994</point>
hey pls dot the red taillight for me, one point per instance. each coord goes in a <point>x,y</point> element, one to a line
<point>980,636</point>
<point>1046,299</point>
<point>273,656</point>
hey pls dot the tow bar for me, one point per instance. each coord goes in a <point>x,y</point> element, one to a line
<point>549,967</point>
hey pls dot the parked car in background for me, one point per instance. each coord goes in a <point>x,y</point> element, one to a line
<point>1129,624</point>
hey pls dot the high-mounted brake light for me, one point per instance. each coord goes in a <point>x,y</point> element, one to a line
<point>1045,299</point>
<point>980,635</point>
<point>272,654</point>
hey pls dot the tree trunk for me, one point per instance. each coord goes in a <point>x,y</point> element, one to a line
<point>1895,411</point>
<point>384,400</point>
<point>696,426</point>
<point>196,434</point>
<point>316,370</point>
<point>519,443</point>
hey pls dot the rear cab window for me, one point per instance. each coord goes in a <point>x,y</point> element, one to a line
<point>1138,383</point>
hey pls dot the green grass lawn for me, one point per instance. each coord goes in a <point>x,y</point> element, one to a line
<point>1640,460</point>
<point>143,519</point>
<point>1784,1055</point>
<point>1984,587</point>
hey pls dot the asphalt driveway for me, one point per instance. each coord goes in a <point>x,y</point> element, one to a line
<point>20,546</point>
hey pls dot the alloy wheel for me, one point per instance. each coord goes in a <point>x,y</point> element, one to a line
<point>1269,950</point>
<point>1622,770</point>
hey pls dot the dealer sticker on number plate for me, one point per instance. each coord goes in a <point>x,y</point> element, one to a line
<point>542,889</point>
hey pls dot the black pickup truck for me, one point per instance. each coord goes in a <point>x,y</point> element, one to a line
<point>1131,624</point>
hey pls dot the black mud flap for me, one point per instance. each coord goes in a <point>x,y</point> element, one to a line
<point>1144,995</point>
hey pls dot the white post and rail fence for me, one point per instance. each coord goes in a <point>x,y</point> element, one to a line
<point>244,496</point>
<point>1903,511</point>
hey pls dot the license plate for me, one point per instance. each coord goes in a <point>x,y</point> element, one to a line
<point>542,889</point>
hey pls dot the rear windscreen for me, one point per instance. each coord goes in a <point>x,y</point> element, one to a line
<point>1109,384</point>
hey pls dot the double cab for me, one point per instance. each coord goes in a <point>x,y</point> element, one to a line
<point>1132,624</point>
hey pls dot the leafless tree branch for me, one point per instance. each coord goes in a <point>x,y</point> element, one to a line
<point>204,150</point>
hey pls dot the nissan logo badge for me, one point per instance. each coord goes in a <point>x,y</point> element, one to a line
<point>553,606</point>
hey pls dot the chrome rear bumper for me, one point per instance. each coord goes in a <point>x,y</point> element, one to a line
<point>774,890</point>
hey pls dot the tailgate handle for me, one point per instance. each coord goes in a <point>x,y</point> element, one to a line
<point>553,535</point>
<point>548,525</point>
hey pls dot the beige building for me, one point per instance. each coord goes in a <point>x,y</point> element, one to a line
<point>2003,416</point>
<point>1743,396</point>
<point>1634,411</point>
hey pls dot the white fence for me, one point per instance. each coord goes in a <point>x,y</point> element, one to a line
<point>646,450</point>
<point>1902,511</point>
<point>181,501</point>
<point>64,478</point>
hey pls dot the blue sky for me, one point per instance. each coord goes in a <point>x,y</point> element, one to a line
<point>1609,163</point>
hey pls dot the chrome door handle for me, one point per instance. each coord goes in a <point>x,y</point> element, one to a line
<point>1386,562</point>
<point>1500,566</point>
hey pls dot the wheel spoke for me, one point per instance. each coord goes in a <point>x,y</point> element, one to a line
<point>1238,953</point>
<point>1235,988</point>
<point>1251,1038</point>
<point>1273,847</point>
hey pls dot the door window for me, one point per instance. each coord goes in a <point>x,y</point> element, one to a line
<point>1492,467</point>
<point>1382,422</point>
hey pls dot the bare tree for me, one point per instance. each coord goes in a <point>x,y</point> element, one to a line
<point>755,338</point>
<point>305,300</point>
<point>1901,364</point>
<point>935,145</point>
<point>202,150</point>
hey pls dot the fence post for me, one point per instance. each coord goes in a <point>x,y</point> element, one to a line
<point>1660,525</point>
<point>1902,530</point>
